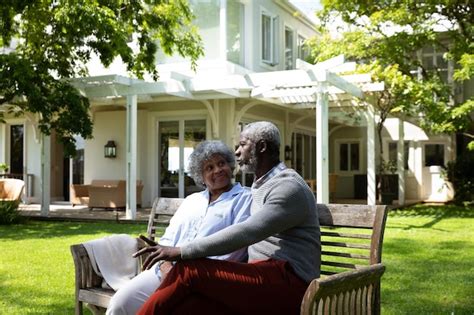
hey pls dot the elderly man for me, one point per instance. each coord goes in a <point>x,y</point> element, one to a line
<point>284,238</point>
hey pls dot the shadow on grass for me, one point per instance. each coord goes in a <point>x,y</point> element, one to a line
<point>41,230</point>
<point>434,212</point>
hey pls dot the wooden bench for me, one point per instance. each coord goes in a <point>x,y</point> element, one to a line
<point>352,237</point>
<point>351,256</point>
<point>89,285</point>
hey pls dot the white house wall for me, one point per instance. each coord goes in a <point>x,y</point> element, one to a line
<point>108,125</point>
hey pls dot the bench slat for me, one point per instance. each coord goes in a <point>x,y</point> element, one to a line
<point>346,255</point>
<point>345,235</point>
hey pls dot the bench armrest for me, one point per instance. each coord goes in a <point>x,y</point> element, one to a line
<point>345,292</point>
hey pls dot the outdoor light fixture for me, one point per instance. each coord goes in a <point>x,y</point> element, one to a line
<point>287,153</point>
<point>110,150</point>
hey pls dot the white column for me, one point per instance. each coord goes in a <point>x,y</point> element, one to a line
<point>371,182</point>
<point>181,160</point>
<point>401,163</point>
<point>322,168</point>
<point>131,210</point>
<point>45,174</point>
<point>26,190</point>
<point>223,30</point>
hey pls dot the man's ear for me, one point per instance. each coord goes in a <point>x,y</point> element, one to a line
<point>261,146</point>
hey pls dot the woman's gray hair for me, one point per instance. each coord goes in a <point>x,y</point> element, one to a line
<point>203,152</point>
<point>263,130</point>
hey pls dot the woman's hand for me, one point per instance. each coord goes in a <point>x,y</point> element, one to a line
<point>157,253</point>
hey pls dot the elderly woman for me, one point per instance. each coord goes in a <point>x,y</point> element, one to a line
<point>201,214</point>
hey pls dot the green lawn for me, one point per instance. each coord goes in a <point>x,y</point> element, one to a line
<point>428,251</point>
<point>429,254</point>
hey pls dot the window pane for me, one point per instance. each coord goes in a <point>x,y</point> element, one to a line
<point>299,154</point>
<point>343,157</point>
<point>434,155</point>
<point>235,32</point>
<point>392,151</point>
<point>288,49</point>
<point>354,157</point>
<point>266,38</point>
<point>16,149</point>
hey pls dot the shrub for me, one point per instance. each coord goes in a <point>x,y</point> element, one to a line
<point>9,212</point>
<point>461,174</point>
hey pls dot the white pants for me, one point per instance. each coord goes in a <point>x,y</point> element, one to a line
<point>128,299</point>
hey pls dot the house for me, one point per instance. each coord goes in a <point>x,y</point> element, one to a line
<point>252,70</point>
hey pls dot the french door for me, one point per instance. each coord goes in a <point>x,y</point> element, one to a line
<point>176,141</point>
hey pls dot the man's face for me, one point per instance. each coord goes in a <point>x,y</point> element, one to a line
<point>246,155</point>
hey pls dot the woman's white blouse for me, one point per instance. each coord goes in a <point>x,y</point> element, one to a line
<point>196,218</point>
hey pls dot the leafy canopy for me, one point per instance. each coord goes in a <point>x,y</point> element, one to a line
<point>48,42</point>
<point>388,36</point>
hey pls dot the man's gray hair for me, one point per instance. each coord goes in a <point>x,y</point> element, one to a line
<point>263,130</point>
<point>203,152</point>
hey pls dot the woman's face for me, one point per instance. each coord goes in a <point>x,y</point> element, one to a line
<point>216,173</point>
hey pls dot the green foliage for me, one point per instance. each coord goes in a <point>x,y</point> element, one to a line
<point>387,37</point>
<point>4,167</point>
<point>9,212</point>
<point>54,40</point>
<point>460,173</point>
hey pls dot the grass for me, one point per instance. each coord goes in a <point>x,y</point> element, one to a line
<point>428,251</point>
<point>36,267</point>
<point>429,254</point>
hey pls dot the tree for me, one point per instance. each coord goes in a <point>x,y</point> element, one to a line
<point>47,43</point>
<point>386,38</point>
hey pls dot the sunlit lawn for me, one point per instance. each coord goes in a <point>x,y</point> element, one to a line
<point>428,251</point>
<point>429,254</point>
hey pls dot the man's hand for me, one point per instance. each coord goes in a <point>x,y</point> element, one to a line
<point>157,253</point>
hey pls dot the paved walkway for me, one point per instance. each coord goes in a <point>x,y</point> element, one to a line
<point>60,211</point>
<point>64,211</point>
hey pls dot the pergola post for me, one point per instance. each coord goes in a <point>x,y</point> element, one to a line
<point>131,201</point>
<point>401,163</point>
<point>322,168</point>
<point>371,179</point>
<point>45,174</point>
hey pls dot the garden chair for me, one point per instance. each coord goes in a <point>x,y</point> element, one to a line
<point>11,189</point>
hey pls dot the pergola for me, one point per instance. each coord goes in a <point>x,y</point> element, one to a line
<point>308,87</point>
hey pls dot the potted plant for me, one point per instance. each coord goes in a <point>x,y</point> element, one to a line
<point>4,167</point>
<point>385,184</point>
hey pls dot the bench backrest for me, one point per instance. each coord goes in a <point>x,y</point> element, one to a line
<point>351,236</point>
<point>161,212</point>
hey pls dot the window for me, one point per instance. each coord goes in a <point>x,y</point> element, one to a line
<point>303,49</point>
<point>288,48</point>
<point>235,32</point>
<point>434,155</point>
<point>433,59</point>
<point>304,154</point>
<point>392,152</point>
<point>269,36</point>
<point>349,156</point>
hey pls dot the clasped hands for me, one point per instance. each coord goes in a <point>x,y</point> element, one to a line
<point>157,253</point>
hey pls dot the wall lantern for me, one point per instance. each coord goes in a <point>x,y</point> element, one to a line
<point>288,153</point>
<point>110,149</point>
